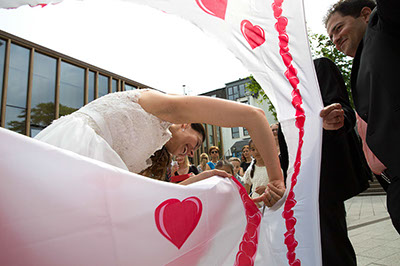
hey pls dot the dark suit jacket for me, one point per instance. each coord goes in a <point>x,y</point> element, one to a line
<point>375,83</point>
<point>344,171</point>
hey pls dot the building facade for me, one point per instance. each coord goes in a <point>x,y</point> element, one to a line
<point>39,85</point>
<point>233,139</point>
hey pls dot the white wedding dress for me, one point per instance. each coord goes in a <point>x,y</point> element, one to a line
<point>113,129</point>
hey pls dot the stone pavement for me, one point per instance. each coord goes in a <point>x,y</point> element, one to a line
<point>371,232</point>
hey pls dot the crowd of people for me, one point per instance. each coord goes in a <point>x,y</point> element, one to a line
<point>249,170</point>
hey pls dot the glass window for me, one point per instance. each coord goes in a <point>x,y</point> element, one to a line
<point>35,130</point>
<point>245,132</point>
<point>43,91</point>
<point>235,132</point>
<point>210,135</point>
<point>204,144</point>
<point>241,90</point>
<point>103,85</point>
<point>235,90</point>
<point>17,88</point>
<point>230,91</point>
<point>129,87</point>
<point>2,58</point>
<point>18,76</point>
<point>114,84</point>
<point>15,119</point>
<point>230,97</point>
<point>71,88</point>
<point>92,77</point>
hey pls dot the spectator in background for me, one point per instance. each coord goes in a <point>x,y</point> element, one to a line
<point>226,166</point>
<point>246,158</point>
<point>237,170</point>
<point>274,128</point>
<point>184,166</point>
<point>256,176</point>
<point>214,154</point>
<point>203,166</point>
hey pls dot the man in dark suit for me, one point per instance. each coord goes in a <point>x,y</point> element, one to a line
<point>370,33</point>
<point>344,171</point>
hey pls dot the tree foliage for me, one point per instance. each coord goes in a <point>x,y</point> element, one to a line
<point>321,46</point>
<point>257,91</point>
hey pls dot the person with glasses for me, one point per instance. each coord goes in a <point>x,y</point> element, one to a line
<point>214,155</point>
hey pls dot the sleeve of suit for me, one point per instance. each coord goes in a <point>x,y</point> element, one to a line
<point>333,90</point>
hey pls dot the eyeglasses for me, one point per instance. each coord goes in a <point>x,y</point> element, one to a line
<point>214,152</point>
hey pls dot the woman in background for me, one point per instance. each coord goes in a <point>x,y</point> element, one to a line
<point>184,166</point>
<point>203,166</point>
<point>246,158</point>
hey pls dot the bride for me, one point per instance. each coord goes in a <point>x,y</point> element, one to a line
<point>139,131</point>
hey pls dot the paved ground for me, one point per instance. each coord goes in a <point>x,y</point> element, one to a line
<point>374,238</point>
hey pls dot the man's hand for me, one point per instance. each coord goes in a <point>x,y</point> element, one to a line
<point>333,116</point>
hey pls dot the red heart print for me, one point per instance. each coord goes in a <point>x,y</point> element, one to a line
<point>243,259</point>
<point>254,35</point>
<point>215,8</point>
<point>177,220</point>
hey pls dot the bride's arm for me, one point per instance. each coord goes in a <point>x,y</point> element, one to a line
<point>200,109</point>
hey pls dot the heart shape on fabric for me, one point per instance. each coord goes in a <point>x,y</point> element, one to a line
<point>177,220</point>
<point>215,8</point>
<point>254,35</point>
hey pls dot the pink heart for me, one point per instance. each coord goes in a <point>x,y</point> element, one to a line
<point>177,220</point>
<point>215,8</point>
<point>248,247</point>
<point>254,35</point>
<point>243,259</point>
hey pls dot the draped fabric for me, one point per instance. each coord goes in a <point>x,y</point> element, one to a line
<point>63,208</point>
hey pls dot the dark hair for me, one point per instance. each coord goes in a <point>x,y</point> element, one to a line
<point>243,159</point>
<point>253,166</point>
<point>161,159</point>
<point>222,163</point>
<point>349,8</point>
<point>199,128</point>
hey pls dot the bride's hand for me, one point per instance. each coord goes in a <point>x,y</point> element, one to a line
<point>205,175</point>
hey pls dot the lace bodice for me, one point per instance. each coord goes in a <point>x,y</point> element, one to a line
<point>133,133</point>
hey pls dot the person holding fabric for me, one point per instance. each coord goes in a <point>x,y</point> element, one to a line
<point>369,32</point>
<point>139,130</point>
<point>344,171</point>
<point>213,151</point>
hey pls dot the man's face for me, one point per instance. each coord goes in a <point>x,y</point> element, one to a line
<point>346,32</point>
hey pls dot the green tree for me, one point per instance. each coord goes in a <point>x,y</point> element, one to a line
<point>321,46</point>
<point>257,91</point>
